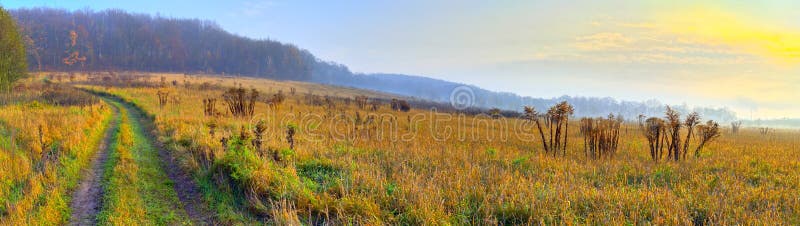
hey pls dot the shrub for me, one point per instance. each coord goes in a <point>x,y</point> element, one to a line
<point>400,105</point>
<point>707,132</point>
<point>654,130</point>
<point>239,103</point>
<point>600,136</point>
<point>239,161</point>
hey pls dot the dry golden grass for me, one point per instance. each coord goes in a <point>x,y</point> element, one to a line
<point>35,187</point>
<point>449,169</point>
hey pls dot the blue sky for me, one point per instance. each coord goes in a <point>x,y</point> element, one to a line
<point>739,54</point>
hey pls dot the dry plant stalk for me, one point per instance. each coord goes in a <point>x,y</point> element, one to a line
<point>691,121</point>
<point>361,101</point>
<point>735,126</point>
<point>209,106</point>
<point>276,100</point>
<point>163,96</point>
<point>655,132</point>
<point>532,115</point>
<point>290,131</point>
<point>673,123</point>
<point>601,136</point>
<point>239,103</point>
<point>557,123</point>
<point>707,132</point>
<point>666,132</point>
<point>400,105</point>
<point>495,113</point>
<point>258,133</point>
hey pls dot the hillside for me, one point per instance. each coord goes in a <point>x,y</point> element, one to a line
<point>59,40</point>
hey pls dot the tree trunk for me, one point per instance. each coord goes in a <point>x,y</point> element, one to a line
<point>566,134</point>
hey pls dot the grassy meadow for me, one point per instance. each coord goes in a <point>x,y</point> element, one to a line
<point>48,134</point>
<point>359,165</point>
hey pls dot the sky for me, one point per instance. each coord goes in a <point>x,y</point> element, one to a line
<point>744,55</point>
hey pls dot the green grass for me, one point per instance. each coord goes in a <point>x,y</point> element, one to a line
<point>138,176</point>
<point>228,205</point>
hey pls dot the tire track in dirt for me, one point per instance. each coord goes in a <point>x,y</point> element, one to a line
<point>87,198</point>
<point>187,190</point>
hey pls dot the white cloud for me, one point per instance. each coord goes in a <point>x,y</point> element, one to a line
<point>255,8</point>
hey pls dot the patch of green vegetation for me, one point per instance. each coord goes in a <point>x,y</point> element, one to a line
<point>513,214</point>
<point>664,175</point>
<point>471,211</point>
<point>15,193</point>
<point>152,185</point>
<point>630,177</point>
<point>229,207</point>
<point>391,188</point>
<point>491,152</point>
<point>239,161</point>
<point>759,172</point>
<point>319,175</point>
<point>520,163</point>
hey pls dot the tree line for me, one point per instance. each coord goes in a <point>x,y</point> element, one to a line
<point>60,40</point>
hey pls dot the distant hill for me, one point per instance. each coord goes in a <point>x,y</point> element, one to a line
<point>60,40</point>
<point>443,91</point>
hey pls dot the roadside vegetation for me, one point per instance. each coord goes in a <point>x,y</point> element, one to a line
<point>48,134</point>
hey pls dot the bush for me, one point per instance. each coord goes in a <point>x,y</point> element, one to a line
<point>239,161</point>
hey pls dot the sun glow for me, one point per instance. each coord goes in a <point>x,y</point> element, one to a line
<point>768,39</point>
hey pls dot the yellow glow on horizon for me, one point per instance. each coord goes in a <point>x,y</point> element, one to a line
<point>710,26</point>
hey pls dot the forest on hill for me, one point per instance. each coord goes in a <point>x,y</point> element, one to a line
<point>85,40</point>
<point>60,40</point>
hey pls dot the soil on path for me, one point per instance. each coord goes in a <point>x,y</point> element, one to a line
<point>87,198</point>
<point>187,190</point>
